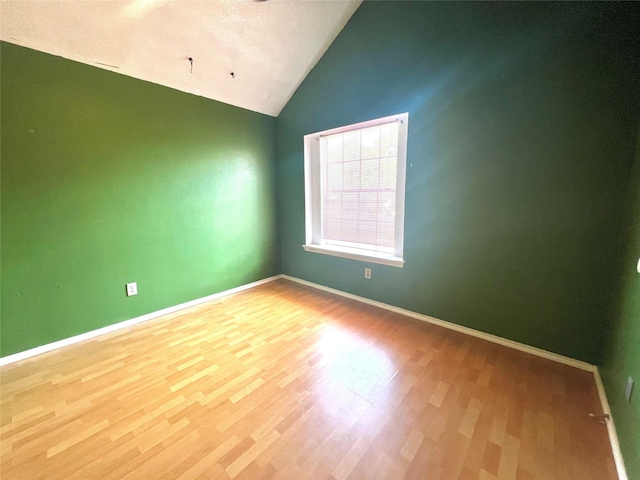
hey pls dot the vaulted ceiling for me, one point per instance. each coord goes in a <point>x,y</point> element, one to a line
<point>251,54</point>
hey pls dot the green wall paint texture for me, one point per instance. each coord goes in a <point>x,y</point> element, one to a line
<point>107,180</point>
<point>522,124</point>
<point>622,358</point>
<point>522,132</point>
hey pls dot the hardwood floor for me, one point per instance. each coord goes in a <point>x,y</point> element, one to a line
<point>286,382</point>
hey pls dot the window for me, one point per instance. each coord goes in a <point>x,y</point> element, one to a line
<point>354,190</point>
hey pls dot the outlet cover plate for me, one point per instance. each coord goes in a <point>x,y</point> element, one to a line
<point>367,273</point>
<point>132,289</point>
<point>628,389</point>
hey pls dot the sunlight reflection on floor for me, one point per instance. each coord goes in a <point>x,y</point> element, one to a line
<point>355,364</point>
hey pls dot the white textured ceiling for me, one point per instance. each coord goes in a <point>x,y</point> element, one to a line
<point>270,46</point>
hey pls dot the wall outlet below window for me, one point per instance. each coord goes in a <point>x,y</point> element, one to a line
<point>367,273</point>
<point>132,289</point>
<point>628,389</point>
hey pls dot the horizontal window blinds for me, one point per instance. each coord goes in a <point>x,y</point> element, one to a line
<point>359,169</point>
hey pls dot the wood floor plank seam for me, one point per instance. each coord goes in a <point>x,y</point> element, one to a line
<point>285,381</point>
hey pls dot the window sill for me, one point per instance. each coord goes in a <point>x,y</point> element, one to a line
<point>355,254</point>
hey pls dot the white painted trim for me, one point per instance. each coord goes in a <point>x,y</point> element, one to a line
<point>613,436</point>
<point>354,254</point>
<point>611,427</point>
<point>314,185</point>
<point>452,326</point>
<point>127,323</point>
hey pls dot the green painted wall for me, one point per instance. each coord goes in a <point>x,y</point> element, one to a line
<point>522,125</point>
<point>523,121</point>
<point>108,180</point>
<point>622,357</point>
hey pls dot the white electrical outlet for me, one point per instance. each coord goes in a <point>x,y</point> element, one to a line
<point>367,273</point>
<point>628,389</point>
<point>132,289</point>
<point>638,268</point>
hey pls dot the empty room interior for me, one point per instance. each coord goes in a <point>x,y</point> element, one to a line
<point>327,240</point>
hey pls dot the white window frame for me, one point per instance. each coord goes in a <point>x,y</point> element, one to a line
<point>313,196</point>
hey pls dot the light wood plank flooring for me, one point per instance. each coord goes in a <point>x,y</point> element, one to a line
<point>286,382</point>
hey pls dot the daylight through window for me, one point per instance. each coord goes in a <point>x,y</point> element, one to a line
<point>355,178</point>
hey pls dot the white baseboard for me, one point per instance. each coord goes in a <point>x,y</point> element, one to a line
<point>127,323</point>
<point>452,326</point>
<point>613,436</point>
<point>611,428</point>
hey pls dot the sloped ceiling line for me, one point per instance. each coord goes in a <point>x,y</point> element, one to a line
<point>245,53</point>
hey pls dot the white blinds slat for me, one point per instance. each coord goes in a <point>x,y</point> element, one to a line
<point>360,171</point>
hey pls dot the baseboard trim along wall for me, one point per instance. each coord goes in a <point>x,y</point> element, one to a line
<point>611,428</point>
<point>127,323</point>
<point>572,362</point>
<point>425,318</point>
<point>613,436</point>
<point>452,326</point>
